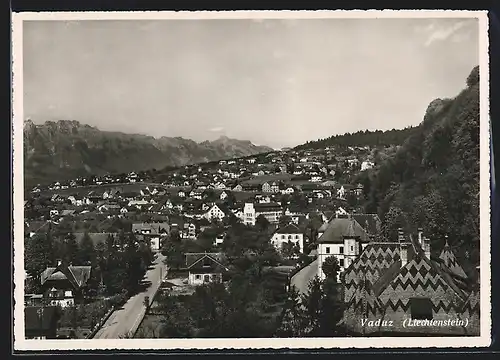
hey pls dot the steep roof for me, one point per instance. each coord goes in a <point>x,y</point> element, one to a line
<point>378,279</point>
<point>289,229</point>
<point>267,207</point>
<point>76,275</point>
<point>302,278</point>
<point>338,228</point>
<point>370,222</point>
<point>197,260</point>
<point>155,228</point>
<point>451,262</point>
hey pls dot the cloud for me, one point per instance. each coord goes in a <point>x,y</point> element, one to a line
<point>217,129</point>
<point>440,33</point>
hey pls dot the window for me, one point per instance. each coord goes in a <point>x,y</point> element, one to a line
<point>297,237</point>
<point>341,249</point>
<point>206,278</point>
<point>197,277</point>
<point>341,262</point>
<point>421,308</point>
<point>327,249</point>
<point>352,248</point>
<point>282,237</point>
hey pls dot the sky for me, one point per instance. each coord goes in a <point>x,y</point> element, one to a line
<point>275,82</point>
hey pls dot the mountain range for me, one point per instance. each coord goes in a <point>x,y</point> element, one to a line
<point>66,149</point>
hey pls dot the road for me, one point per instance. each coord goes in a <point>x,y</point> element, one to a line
<point>126,320</point>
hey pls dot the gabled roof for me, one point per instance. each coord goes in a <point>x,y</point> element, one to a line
<point>261,207</point>
<point>289,229</point>
<point>450,261</point>
<point>378,279</point>
<point>370,222</point>
<point>338,228</point>
<point>154,227</point>
<point>196,260</point>
<point>302,278</point>
<point>76,275</point>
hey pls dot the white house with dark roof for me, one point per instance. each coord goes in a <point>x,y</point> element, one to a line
<point>343,238</point>
<point>289,233</point>
<point>205,268</point>
<point>62,285</point>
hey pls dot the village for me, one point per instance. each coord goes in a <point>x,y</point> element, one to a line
<point>176,229</point>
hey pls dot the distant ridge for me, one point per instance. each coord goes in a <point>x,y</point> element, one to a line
<point>58,150</point>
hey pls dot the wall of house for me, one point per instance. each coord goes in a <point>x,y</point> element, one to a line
<point>249,215</point>
<point>271,216</point>
<point>198,278</point>
<point>63,302</point>
<point>277,240</point>
<point>155,243</point>
<point>344,257</point>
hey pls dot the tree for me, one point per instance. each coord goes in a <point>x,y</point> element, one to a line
<point>262,223</point>
<point>86,251</point>
<point>284,220</point>
<point>37,256</point>
<point>293,320</point>
<point>70,249</point>
<point>331,267</point>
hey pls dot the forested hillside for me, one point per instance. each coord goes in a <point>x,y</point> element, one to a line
<point>433,180</point>
<point>362,138</point>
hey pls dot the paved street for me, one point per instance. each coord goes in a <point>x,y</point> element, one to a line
<point>128,318</point>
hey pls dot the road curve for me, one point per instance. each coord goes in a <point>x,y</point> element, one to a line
<point>126,320</point>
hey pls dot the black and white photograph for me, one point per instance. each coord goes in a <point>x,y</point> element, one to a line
<point>292,179</point>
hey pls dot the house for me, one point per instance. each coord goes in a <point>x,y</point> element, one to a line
<point>181,194</point>
<point>62,285</point>
<point>366,165</point>
<point>271,211</point>
<point>219,239</point>
<point>204,268</point>
<point>343,238</point>
<point>266,187</point>
<point>138,203</point>
<point>196,194</point>
<point>76,200</point>
<point>400,282</point>
<point>54,212</point>
<point>109,208</point>
<point>40,322</point>
<point>217,211</point>
<point>223,195</point>
<point>289,233</point>
<point>153,233</point>
<point>238,188</point>
<point>275,188</point>
<point>289,190</point>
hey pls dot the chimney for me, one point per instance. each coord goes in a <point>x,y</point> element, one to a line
<point>59,262</point>
<point>427,247</point>
<point>403,254</point>
<point>401,236</point>
<point>421,237</point>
